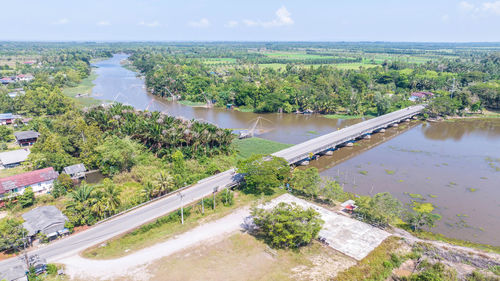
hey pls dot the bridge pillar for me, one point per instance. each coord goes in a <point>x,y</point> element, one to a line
<point>304,163</point>
<point>394,125</point>
<point>367,137</point>
<point>349,144</point>
<point>407,120</point>
<point>381,131</point>
<point>328,153</point>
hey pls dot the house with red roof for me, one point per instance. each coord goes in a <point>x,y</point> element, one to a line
<point>41,181</point>
<point>420,95</point>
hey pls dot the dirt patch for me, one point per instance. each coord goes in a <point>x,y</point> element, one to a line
<point>242,257</point>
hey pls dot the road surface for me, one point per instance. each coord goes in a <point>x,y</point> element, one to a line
<point>151,211</point>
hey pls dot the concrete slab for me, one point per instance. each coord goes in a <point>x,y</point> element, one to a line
<point>349,236</point>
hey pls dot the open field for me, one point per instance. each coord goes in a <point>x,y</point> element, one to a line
<point>212,61</point>
<point>250,146</point>
<point>243,257</point>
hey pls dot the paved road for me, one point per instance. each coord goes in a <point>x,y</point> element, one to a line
<point>143,214</point>
<point>130,220</point>
<point>301,151</point>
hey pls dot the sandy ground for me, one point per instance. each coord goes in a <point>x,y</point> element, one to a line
<point>134,264</point>
<point>346,235</point>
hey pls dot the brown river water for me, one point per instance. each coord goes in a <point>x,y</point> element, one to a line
<point>453,165</point>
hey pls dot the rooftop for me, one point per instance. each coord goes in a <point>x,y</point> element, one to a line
<point>24,135</point>
<point>4,116</point>
<point>15,156</point>
<point>73,169</point>
<point>45,219</point>
<point>27,179</point>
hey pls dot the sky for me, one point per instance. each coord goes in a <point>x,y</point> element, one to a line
<point>253,20</point>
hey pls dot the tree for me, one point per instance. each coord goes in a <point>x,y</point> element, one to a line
<point>5,133</point>
<point>264,173</point>
<point>380,210</point>
<point>118,154</point>
<point>62,185</point>
<point>421,216</point>
<point>27,198</point>
<point>164,183</point>
<point>107,199</point>
<point>287,225</point>
<point>333,190</point>
<point>306,181</point>
<point>11,233</point>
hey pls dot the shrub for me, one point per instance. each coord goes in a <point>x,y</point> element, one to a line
<point>287,225</point>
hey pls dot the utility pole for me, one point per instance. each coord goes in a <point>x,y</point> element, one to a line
<point>202,206</point>
<point>215,191</point>
<point>182,208</point>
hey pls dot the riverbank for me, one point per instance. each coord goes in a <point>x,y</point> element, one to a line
<point>83,91</point>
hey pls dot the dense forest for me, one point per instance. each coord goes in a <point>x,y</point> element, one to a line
<point>313,82</point>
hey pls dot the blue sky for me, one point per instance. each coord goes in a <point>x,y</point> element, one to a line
<point>255,20</point>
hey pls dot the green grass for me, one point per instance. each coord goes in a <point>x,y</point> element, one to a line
<point>192,103</point>
<point>416,196</point>
<point>389,172</point>
<point>155,233</point>
<point>250,146</point>
<point>376,266</point>
<point>85,87</point>
<point>12,171</point>
<point>364,173</point>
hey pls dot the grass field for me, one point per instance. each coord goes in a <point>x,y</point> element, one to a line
<point>295,55</point>
<point>132,242</point>
<point>12,171</point>
<point>243,257</point>
<point>191,103</point>
<point>250,146</point>
<point>85,87</point>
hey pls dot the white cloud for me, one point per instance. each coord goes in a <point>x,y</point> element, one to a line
<point>492,7</point>
<point>202,23</point>
<point>61,21</point>
<point>445,18</point>
<point>283,17</point>
<point>103,23</point>
<point>466,6</point>
<point>150,24</point>
<point>483,8</point>
<point>232,23</point>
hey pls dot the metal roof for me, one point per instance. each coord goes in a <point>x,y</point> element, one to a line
<point>24,135</point>
<point>15,156</point>
<point>5,116</point>
<point>73,169</point>
<point>45,219</point>
<point>17,272</point>
<point>27,179</point>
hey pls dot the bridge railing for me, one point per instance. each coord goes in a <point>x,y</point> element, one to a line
<point>304,155</point>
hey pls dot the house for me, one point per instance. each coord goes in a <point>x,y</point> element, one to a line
<point>15,273</point>
<point>420,95</point>
<point>76,171</point>
<point>6,118</point>
<point>6,80</point>
<point>11,159</point>
<point>348,206</point>
<point>24,77</point>
<point>26,138</point>
<point>41,181</point>
<point>47,220</point>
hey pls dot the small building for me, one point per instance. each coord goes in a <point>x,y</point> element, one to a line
<point>15,273</point>
<point>420,96</point>
<point>76,171</point>
<point>47,220</point>
<point>41,181</point>
<point>11,159</point>
<point>6,80</point>
<point>24,77</point>
<point>348,206</point>
<point>26,138</point>
<point>7,118</point>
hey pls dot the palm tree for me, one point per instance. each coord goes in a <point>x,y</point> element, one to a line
<point>148,191</point>
<point>164,183</point>
<point>83,193</point>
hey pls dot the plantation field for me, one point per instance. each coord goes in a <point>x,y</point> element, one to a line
<point>295,55</point>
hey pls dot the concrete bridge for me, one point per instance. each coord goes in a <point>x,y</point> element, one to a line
<point>301,152</point>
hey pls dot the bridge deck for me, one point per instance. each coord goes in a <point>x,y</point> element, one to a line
<point>301,151</point>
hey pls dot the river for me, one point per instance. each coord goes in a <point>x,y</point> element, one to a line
<point>453,165</point>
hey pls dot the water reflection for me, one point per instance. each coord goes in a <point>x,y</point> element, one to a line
<point>457,129</point>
